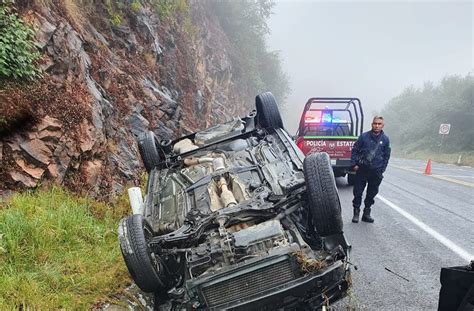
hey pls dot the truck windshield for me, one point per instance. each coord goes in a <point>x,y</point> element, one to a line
<point>327,130</point>
<point>326,123</point>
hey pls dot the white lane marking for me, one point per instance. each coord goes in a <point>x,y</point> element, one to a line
<point>421,170</point>
<point>438,169</point>
<point>460,182</point>
<point>462,176</point>
<point>443,240</point>
<point>439,166</point>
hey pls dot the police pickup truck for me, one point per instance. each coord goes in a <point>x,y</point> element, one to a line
<point>331,125</point>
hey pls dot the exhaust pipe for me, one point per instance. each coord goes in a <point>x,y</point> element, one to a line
<point>227,196</point>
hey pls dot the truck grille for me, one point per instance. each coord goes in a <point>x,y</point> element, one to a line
<point>240,286</point>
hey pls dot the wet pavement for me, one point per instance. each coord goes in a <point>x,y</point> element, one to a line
<point>422,223</point>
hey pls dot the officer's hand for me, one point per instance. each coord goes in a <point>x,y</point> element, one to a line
<point>356,167</point>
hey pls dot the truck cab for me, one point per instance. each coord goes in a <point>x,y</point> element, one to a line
<point>331,125</point>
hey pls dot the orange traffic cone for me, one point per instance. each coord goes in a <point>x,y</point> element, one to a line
<point>428,168</point>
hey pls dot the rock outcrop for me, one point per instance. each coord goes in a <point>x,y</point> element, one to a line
<point>104,84</point>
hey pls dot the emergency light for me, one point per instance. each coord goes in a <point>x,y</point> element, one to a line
<point>327,117</point>
<point>318,116</point>
<point>312,120</point>
<point>312,117</point>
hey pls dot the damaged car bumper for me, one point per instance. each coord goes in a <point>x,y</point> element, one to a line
<point>275,282</point>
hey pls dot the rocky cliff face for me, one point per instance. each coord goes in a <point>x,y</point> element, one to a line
<point>104,84</point>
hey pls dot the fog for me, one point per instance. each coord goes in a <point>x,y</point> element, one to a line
<point>370,50</point>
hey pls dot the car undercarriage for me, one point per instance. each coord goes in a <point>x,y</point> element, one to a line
<point>235,217</point>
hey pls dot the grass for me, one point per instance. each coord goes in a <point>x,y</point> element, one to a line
<point>59,251</point>
<point>467,157</point>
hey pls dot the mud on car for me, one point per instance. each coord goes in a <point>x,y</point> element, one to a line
<point>235,217</point>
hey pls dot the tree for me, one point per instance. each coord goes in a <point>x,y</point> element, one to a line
<point>413,117</point>
<point>245,23</point>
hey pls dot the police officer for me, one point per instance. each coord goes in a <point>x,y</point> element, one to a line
<point>370,155</point>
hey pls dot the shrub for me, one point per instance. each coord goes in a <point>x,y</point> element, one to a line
<point>18,54</point>
<point>169,8</point>
<point>135,6</point>
<point>115,12</point>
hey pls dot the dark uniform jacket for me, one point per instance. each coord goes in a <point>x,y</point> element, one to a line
<point>371,152</point>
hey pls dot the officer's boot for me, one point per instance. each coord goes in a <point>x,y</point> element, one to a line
<point>355,218</point>
<point>366,215</point>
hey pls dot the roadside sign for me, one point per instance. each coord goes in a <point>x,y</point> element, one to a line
<point>444,128</point>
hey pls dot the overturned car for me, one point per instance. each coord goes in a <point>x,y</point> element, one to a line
<point>235,217</point>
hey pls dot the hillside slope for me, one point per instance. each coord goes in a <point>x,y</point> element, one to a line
<point>110,73</point>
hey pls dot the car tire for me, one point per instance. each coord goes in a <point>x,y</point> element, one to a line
<point>351,179</point>
<point>268,114</point>
<point>148,151</point>
<point>323,198</point>
<point>134,234</point>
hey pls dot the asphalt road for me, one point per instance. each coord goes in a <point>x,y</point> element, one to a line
<point>422,223</point>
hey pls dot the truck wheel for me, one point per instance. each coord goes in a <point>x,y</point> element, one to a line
<point>148,150</point>
<point>268,114</point>
<point>323,198</point>
<point>145,268</point>
<point>351,179</point>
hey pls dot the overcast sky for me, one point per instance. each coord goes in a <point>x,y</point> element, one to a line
<point>371,50</point>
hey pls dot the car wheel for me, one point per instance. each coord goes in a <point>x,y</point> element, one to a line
<point>351,179</point>
<point>323,198</point>
<point>148,150</point>
<point>268,114</point>
<point>145,268</point>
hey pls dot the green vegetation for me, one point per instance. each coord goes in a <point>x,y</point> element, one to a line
<point>408,152</point>
<point>413,118</point>
<point>118,10</point>
<point>177,11</point>
<point>245,23</point>
<point>18,54</point>
<point>115,11</point>
<point>169,8</point>
<point>58,251</point>
<point>135,6</point>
